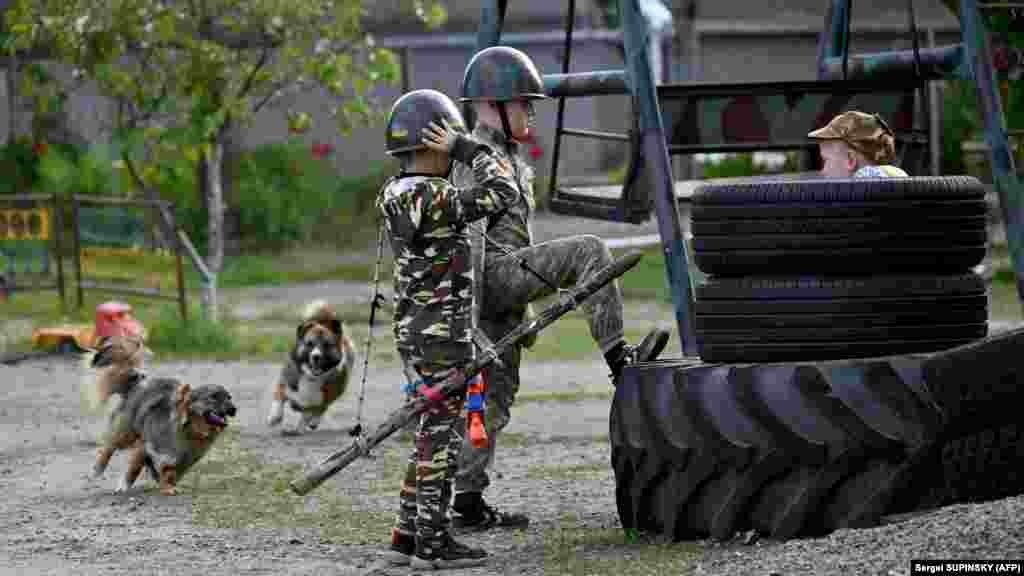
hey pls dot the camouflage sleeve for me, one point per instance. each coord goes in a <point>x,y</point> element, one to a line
<point>492,190</point>
<point>462,177</point>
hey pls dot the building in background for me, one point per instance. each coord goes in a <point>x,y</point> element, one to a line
<point>727,41</point>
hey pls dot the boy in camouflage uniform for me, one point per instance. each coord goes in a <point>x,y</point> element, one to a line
<point>426,219</point>
<point>501,82</point>
<point>858,145</point>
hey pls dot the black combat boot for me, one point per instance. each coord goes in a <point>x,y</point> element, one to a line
<point>402,547</point>
<point>475,515</point>
<point>624,354</point>
<point>445,553</point>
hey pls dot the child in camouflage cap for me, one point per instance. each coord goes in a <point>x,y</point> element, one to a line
<point>858,145</point>
<point>426,219</point>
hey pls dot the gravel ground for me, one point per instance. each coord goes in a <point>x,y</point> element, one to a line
<point>55,521</point>
<point>553,465</point>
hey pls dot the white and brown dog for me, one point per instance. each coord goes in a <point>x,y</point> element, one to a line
<point>318,369</point>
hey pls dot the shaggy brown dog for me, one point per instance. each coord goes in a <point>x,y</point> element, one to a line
<point>166,424</point>
<point>318,369</point>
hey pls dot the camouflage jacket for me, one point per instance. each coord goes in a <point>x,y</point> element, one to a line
<point>426,219</point>
<point>511,228</point>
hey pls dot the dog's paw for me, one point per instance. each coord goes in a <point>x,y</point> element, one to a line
<point>311,422</point>
<point>169,490</point>
<point>122,486</point>
<point>276,414</point>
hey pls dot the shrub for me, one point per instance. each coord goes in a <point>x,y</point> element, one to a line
<point>167,333</point>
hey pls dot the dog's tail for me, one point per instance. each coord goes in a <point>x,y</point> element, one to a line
<point>95,391</point>
<point>103,375</point>
<point>314,309</point>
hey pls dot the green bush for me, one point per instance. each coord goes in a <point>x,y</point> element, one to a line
<point>960,121</point>
<point>167,332</point>
<point>740,165</point>
<point>284,195</point>
<point>20,160</point>
<point>65,170</point>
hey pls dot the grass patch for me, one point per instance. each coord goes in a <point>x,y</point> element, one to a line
<point>574,472</point>
<point>1003,302</point>
<point>153,270</point>
<point>648,280</point>
<point>572,548</point>
<point>569,338</point>
<point>580,395</point>
<point>233,488</point>
<point>291,267</point>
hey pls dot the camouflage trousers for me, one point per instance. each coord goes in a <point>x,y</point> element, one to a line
<point>507,290</point>
<point>426,488</point>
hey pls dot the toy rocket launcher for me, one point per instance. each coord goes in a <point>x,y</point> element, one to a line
<point>474,405</point>
<point>475,412</point>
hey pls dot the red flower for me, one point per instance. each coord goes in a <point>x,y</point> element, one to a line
<point>1001,58</point>
<point>322,150</point>
<point>40,148</point>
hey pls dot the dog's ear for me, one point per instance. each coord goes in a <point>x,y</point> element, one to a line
<point>335,327</point>
<point>183,402</point>
<point>302,329</point>
<point>104,356</point>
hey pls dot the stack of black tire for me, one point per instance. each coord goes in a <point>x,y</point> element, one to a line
<point>846,375</point>
<point>819,269</point>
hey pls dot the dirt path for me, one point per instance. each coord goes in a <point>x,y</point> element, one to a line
<point>235,516</point>
<point>553,465</point>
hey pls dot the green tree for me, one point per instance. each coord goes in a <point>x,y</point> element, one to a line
<point>183,72</point>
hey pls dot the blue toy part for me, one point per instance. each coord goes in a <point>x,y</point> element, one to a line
<point>475,401</point>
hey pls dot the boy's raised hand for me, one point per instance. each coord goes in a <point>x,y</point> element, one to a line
<point>439,138</point>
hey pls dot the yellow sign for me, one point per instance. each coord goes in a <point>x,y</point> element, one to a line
<point>25,224</point>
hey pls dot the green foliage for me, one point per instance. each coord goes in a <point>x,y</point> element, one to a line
<point>283,196</point>
<point>64,170</point>
<point>20,165</point>
<point>182,73</point>
<point>960,122</point>
<point>167,331</point>
<point>740,165</point>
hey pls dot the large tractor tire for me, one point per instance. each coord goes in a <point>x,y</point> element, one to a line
<point>762,319</point>
<point>802,449</point>
<point>840,226</point>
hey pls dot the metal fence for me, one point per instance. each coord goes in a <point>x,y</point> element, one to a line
<point>115,230</point>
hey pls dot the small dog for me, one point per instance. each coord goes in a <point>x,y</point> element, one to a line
<point>165,424</point>
<point>318,369</point>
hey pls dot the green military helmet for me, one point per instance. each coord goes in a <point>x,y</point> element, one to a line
<point>500,74</point>
<point>413,112</point>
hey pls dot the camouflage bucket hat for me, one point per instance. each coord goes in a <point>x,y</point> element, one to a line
<point>413,112</point>
<point>865,133</point>
<point>501,73</point>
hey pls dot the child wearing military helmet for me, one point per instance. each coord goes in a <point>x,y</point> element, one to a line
<point>500,85</point>
<point>426,218</point>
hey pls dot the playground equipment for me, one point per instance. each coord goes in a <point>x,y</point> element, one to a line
<point>112,319</point>
<point>30,230</point>
<point>840,437</point>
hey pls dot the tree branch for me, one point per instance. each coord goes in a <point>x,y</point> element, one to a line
<point>247,85</point>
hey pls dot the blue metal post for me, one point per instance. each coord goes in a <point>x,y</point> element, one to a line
<point>659,170</point>
<point>833,40</point>
<point>492,19</point>
<point>978,63</point>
